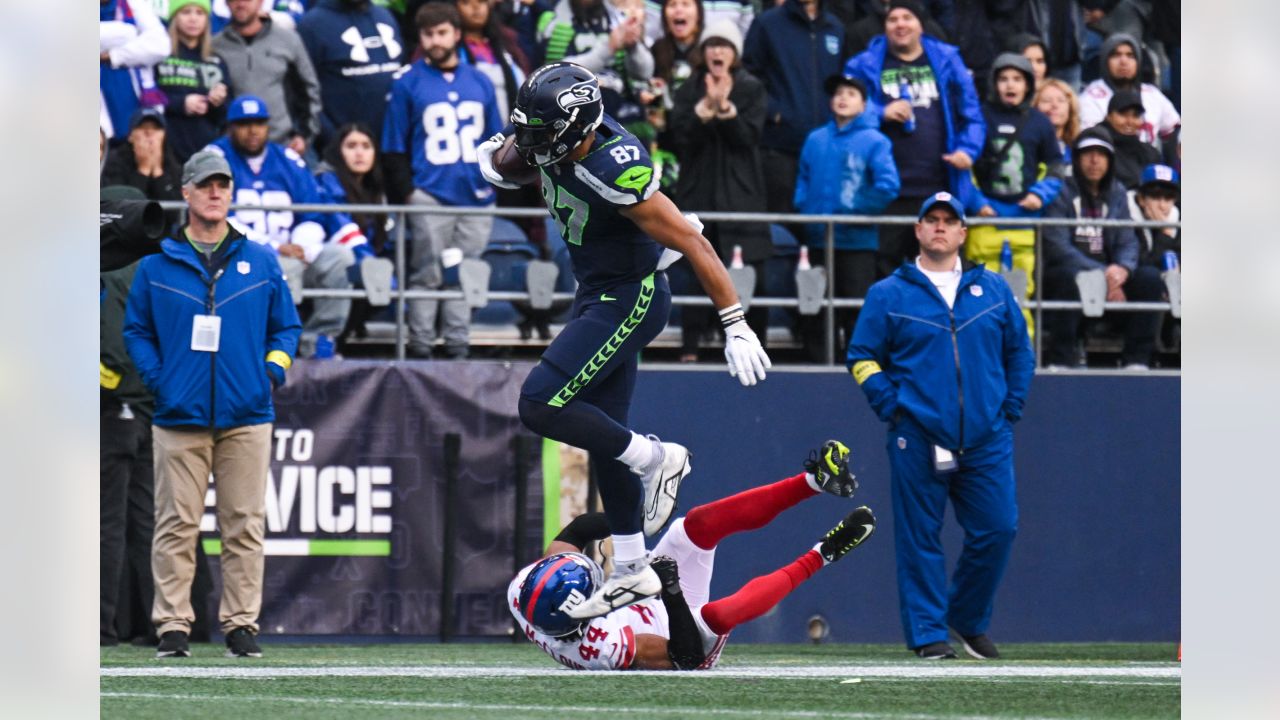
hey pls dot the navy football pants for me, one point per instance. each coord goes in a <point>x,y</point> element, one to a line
<point>580,393</point>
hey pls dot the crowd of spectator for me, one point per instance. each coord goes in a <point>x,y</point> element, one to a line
<point>1020,109</point>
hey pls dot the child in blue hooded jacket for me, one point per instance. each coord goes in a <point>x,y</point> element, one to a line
<point>846,168</point>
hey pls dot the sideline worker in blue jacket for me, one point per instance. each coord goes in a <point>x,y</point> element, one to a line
<point>942,353</point>
<point>211,328</point>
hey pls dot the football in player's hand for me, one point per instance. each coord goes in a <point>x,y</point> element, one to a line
<point>511,166</point>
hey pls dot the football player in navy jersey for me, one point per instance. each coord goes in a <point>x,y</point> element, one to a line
<point>598,182</point>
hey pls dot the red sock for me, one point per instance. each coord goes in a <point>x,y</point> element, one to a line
<point>760,595</point>
<point>706,525</point>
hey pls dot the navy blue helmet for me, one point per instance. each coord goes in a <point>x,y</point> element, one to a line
<point>554,580</point>
<point>556,108</point>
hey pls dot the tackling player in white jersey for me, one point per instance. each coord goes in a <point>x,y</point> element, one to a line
<point>681,628</point>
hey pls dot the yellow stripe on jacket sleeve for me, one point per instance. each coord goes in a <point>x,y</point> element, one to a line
<point>280,357</point>
<point>864,369</point>
<point>108,378</point>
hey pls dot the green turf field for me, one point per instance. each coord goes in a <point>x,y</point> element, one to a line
<point>515,682</point>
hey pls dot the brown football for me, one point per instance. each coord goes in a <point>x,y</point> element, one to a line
<point>511,166</point>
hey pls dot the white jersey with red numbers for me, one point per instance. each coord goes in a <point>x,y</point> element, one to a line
<point>607,643</point>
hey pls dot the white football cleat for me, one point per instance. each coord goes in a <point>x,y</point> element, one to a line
<point>662,485</point>
<point>628,585</point>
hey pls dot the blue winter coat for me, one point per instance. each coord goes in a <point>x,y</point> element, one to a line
<point>961,109</point>
<point>792,55</point>
<point>1120,245</point>
<point>230,387</point>
<point>959,373</point>
<point>847,171</point>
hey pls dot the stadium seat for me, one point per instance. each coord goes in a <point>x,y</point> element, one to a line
<point>780,273</point>
<point>506,231</point>
<point>508,262</point>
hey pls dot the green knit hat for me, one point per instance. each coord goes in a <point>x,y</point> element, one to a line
<point>176,5</point>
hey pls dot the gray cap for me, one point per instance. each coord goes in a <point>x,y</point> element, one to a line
<point>204,165</point>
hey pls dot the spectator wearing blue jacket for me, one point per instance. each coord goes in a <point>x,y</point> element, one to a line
<point>936,135</point>
<point>941,352</point>
<point>211,329</point>
<point>846,167</point>
<point>1093,192</point>
<point>792,49</point>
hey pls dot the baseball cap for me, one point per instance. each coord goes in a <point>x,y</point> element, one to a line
<point>204,165</point>
<point>143,114</point>
<point>1157,174</point>
<point>1125,99</point>
<point>942,198</point>
<point>1094,137</point>
<point>247,107</point>
<point>833,82</point>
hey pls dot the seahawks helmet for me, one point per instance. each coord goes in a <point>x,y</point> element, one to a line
<point>556,108</point>
<point>554,580</point>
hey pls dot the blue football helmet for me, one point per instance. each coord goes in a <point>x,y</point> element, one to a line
<point>555,109</point>
<point>554,580</point>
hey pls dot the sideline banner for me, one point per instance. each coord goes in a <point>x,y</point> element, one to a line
<point>356,498</point>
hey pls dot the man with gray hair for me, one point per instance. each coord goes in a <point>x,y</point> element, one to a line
<point>211,328</point>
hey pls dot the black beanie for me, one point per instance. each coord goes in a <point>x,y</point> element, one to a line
<point>911,5</point>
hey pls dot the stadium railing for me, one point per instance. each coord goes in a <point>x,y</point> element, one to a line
<point>401,293</point>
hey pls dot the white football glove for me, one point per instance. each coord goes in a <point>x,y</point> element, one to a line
<point>747,358</point>
<point>485,151</point>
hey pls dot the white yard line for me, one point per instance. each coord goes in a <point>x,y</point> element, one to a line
<point>913,671</point>
<point>558,711</point>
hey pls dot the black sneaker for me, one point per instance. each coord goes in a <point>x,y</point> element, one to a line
<point>847,535</point>
<point>936,651</point>
<point>829,467</point>
<point>241,643</point>
<point>979,646</point>
<point>173,644</point>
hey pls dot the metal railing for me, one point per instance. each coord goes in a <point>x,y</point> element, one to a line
<point>402,293</point>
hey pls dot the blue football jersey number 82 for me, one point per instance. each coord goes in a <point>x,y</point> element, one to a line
<point>448,138</point>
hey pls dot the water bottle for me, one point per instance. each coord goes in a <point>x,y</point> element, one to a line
<point>1170,260</point>
<point>804,264</point>
<point>904,93</point>
<point>324,347</point>
<point>1006,256</point>
<point>737,263</point>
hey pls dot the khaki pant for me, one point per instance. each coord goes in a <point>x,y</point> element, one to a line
<point>238,458</point>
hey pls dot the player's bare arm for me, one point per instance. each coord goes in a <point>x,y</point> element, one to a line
<point>651,653</point>
<point>661,220</point>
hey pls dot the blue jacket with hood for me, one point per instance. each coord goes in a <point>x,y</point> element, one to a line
<point>958,373</point>
<point>792,55</point>
<point>259,332</point>
<point>961,110</point>
<point>846,170</point>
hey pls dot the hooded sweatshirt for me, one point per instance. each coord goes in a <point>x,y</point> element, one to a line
<point>1005,178</point>
<point>846,170</point>
<point>356,52</point>
<point>1086,247</point>
<point>1160,119</point>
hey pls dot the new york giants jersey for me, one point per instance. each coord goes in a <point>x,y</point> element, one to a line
<point>585,197</point>
<point>607,643</point>
<point>437,118</point>
<point>283,180</point>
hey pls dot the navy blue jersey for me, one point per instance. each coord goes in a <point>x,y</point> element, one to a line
<point>585,197</point>
<point>438,118</point>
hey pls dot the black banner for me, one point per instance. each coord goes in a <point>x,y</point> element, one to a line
<point>356,499</point>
